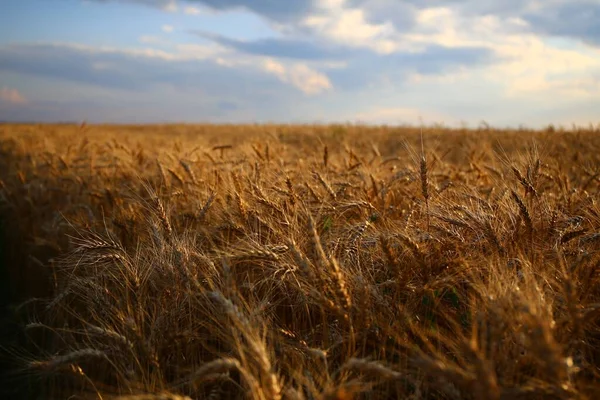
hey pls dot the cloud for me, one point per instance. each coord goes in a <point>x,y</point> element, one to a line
<point>400,14</point>
<point>185,67</point>
<point>167,28</point>
<point>576,19</point>
<point>397,115</point>
<point>170,6</point>
<point>278,10</point>
<point>376,60</point>
<point>501,50</point>
<point>372,22</point>
<point>533,66</point>
<point>12,96</point>
<point>300,76</point>
<point>166,5</point>
<point>274,9</point>
<point>304,49</point>
<point>336,22</point>
<point>81,64</point>
<point>398,69</point>
<point>99,84</point>
<point>350,67</point>
<point>153,40</point>
<point>191,10</point>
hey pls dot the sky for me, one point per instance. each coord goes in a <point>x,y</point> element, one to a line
<point>457,62</point>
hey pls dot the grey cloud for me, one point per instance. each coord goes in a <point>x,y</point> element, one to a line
<point>198,89</point>
<point>433,60</point>
<point>279,9</point>
<point>124,71</point>
<point>276,9</point>
<point>436,59</point>
<point>150,3</point>
<point>146,86</point>
<point>127,110</point>
<point>478,7</point>
<point>285,47</point>
<point>572,18</point>
<point>364,67</point>
<point>66,63</point>
<point>400,13</point>
<point>367,70</point>
<point>121,70</point>
<point>577,19</point>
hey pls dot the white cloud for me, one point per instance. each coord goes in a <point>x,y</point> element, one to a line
<point>167,28</point>
<point>302,77</point>
<point>184,52</point>
<point>171,6</point>
<point>395,115</point>
<point>534,66</point>
<point>526,64</point>
<point>275,68</point>
<point>448,27</point>
<point>12,96</point>
<point>349,26</point>
<point>190,10</point>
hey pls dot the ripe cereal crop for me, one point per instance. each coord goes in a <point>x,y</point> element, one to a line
<point>276,262</point>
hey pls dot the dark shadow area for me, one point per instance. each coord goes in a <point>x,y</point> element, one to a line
<point>21,279</point>
<point>10,333</point>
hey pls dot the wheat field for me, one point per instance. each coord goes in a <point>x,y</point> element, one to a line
<point>300,262</point>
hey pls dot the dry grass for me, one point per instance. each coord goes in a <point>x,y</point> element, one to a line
<point>302,262</point>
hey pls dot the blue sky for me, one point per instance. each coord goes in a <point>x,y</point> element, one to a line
<point>506,62</point>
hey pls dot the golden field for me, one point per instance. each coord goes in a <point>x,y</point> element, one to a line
<point>300,262</point>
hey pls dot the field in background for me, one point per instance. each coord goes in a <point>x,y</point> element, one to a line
<point>300,262</point>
